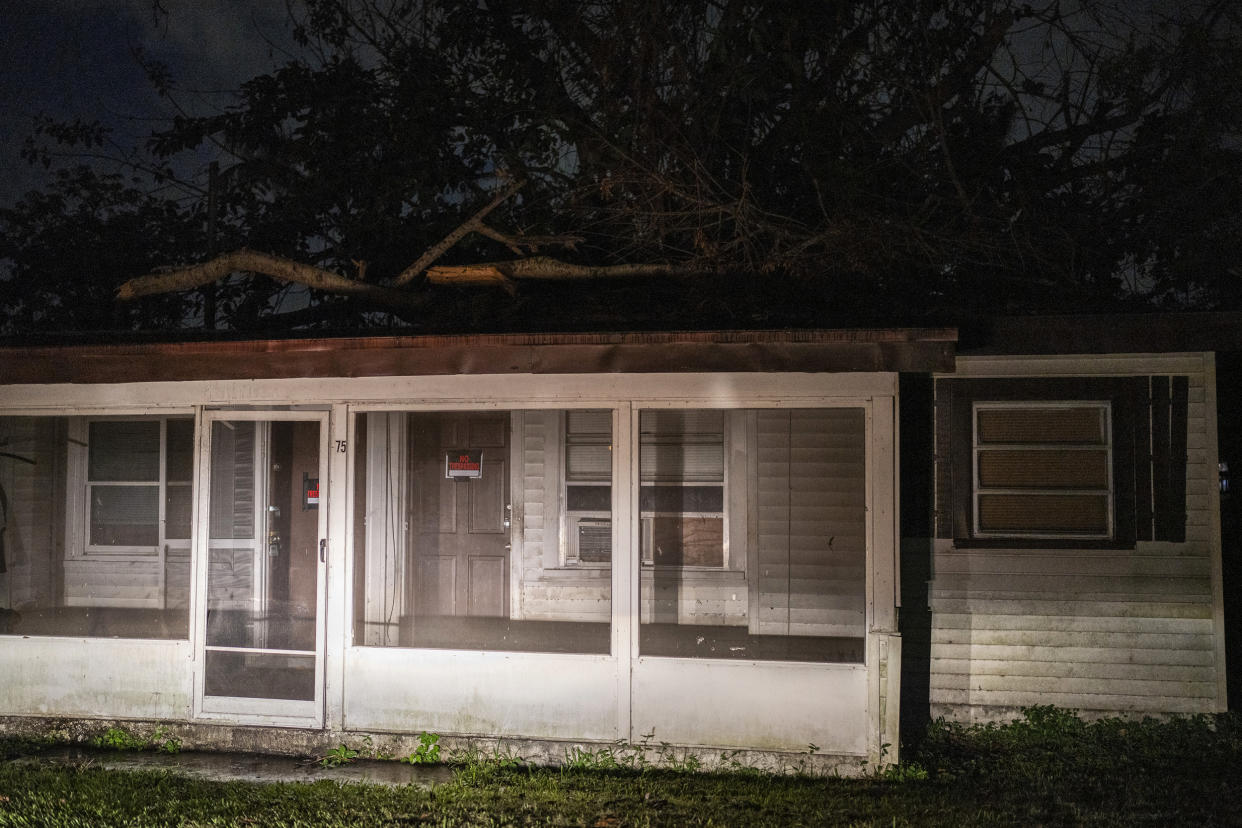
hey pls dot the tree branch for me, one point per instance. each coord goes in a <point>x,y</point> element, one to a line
<point>473,223</point>
<point>545,267</point>
<point>279,268</point>
<point>523,244</point>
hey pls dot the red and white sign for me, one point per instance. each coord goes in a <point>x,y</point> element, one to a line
<point>463,464</point>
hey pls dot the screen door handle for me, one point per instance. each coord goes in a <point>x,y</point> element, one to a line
<point>323,550</point>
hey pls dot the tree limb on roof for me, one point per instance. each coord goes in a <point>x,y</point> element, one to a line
<point>545,267</point>
<point>460,232</point>
<point>277,267</point>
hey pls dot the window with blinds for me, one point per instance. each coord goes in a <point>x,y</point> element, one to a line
<point>588,488</point>
<point>681,486</point>
<point>1043,469</point>
<point>681,471</point>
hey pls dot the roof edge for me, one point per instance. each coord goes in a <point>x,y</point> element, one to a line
<point>815,350</point>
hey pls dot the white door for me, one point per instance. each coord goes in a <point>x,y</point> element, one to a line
<point>260,553</point>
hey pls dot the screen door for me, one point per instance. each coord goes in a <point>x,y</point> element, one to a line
<point>261,579</point>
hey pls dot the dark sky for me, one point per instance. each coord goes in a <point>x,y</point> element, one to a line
<point>74,58</point>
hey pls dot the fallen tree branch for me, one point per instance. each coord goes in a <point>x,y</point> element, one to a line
<point>277,267</point>
<point>522,244</point>
<point>545,267</point>
<point>462,230</point>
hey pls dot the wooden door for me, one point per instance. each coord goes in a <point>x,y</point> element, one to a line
<point>461,525</point>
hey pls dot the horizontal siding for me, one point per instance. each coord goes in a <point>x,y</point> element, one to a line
<point>947,667</point>
<point>980,704</point>
<point>946,623</point>
<point>107,583</point>
<point>1097,631</point>
<point>1124,641</point>
<point>1051,652</point>
<point>1072,583</point>
<point>1091,686</point>
<point>1086,608</point>
<point>1113,564</point>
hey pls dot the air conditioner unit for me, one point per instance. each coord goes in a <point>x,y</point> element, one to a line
<point>594,540</point>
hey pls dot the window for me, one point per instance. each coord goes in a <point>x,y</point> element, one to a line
<point>588,490</point>
<point>681,487</point>
<point>97,530</point>
<point>1061,462</point>
<point>754,533</point>
<point>138,484</point>
<point>1043,470</point>
<point>681,472</point>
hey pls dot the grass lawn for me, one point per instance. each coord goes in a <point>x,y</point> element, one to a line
<point>1050,769</point>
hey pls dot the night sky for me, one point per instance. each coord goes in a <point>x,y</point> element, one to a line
<point>74,58</point>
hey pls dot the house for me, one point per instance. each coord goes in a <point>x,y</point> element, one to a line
<point>767,541</point>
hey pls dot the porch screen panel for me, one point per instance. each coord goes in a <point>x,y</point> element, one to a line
<point>94,536</point>
<point>793,527</point>
<point>484,530</point>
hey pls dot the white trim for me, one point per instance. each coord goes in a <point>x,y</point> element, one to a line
<point>1076,365</point>
<point>336,582</point>
<point>1215,543</point>
<point>484,391</point>
<point>625,586</point>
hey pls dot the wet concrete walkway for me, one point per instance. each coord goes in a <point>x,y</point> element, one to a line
<point>249,767</point>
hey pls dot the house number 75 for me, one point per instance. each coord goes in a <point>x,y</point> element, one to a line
<point>340,446</point>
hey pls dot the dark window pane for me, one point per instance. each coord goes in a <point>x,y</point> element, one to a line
<point>178,505</point>
<point>1042,425</point>
<point>681,498</point>
<point>1052,514</point>
<point>1017,469</point>
<point>124,450</point>
<point>124,515</point>
<point>588,498</point>
<point>180,451</point>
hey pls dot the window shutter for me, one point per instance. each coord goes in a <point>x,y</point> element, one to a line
<point>811,509</point>
<point>1169,403</point>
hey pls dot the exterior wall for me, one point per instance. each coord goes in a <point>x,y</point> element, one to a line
<point>845,709</point>
<point>1103,631</point>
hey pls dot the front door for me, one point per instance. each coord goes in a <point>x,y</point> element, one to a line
<point>261,551</point>
<point>461,513</point>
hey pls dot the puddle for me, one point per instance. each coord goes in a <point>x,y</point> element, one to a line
<point>251,767</point>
